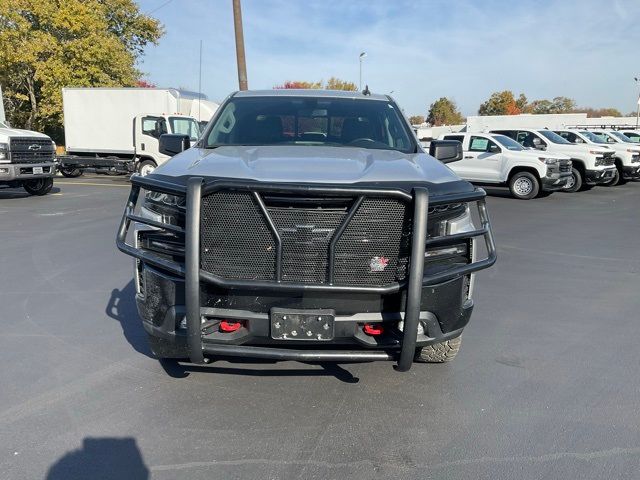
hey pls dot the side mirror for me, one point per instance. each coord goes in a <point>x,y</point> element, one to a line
<point>494,149</point>
<point>446,151</point>
<point>173,143</point>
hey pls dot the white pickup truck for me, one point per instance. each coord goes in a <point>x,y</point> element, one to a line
<point>627,153</point>
<point>27,160</point>
<point>620,153</point>
<point>495,159</point>
<point>586,167</point>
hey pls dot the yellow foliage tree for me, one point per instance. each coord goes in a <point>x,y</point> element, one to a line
<point>46,45</point>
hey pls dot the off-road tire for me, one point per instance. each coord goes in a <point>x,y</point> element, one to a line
<point>439,352</point>
<point>524,186</point>
<point>71,172</point>
<point>40,186</point>
<point>577,181</point>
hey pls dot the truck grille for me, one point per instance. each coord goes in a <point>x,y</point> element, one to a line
<point>238,243</point>
<point>31,150</point>
<point>565,167</point>
<point>607,159</point>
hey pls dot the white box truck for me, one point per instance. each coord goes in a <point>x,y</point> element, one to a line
<point>116,130</point>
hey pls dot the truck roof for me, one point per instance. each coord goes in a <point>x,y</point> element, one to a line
<point>310,92</point>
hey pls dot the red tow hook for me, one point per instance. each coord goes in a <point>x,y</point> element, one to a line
<point>373,329</point>
<point>227,326</point>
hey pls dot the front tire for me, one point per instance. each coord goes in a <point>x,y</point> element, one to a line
<point>524,186</point>
<point>40,186</point>
<point>439,352</point>
<point>575,182</point>
<point>146,167</point>
<point>614,181</point>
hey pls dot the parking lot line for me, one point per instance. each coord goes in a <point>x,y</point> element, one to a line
<point>93,184</point>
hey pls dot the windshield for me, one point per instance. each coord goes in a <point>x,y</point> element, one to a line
<point>185,126</point>
<point>592,137</point>
<point>338,122</point>
<point>621,136</point>
<point>553,137</point>
<point>508,143</point>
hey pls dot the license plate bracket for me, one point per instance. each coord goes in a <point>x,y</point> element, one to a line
<point>37,170</point>
<point>309,325</point>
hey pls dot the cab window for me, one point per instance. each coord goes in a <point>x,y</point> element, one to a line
<point>527,139</point>
<point>481,144</point>
<point>459,138</point>
<point>154,126</point>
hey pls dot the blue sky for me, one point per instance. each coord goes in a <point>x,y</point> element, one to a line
<point>421,49</point>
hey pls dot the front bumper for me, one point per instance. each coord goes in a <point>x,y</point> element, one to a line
<point>595,177</point>
<point>10,172</point>
<point>630,172</point>
<point>555,181</point>
<point>200,339</point>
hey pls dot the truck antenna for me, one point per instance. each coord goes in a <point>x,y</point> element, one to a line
<point>200,81</point>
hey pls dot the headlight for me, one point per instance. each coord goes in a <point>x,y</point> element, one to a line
<point>548,161</point>
<point>631,150</point>
<point>163,207</point>
<point>4,151</point>
<point>445,218</point>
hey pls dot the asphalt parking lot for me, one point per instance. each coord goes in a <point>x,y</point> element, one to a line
<point>546,384</point>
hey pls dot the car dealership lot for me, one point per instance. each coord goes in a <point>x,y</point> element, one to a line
<point>546,384</point>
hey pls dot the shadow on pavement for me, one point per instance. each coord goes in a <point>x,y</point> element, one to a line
<point>177,369</point>
<point>16,193</point>
<point>101,459</point>
<point>122,307</point>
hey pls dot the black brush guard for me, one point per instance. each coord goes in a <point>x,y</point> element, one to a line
<point>196,188</point>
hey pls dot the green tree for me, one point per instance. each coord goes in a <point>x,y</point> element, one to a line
<point>46,45</point>
<point>444,112</point>
<point>503,103</point>
<point>602,112</point>
<point>416,119</point>
<point>298,84</point>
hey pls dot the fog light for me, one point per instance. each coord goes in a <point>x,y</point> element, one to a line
<point>446,251</point>
<point>4,170</point>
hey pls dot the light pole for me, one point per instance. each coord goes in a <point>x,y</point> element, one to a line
<point>362,55</point>
<point>638,108</point>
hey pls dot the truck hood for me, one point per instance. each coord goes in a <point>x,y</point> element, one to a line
<point>535,154</point>
<point>6,133</point>
<point>308,164</point>
<point>581,148</point>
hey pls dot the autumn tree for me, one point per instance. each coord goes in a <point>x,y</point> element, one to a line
<point>297,84</point>
<point>602,112</point>
<point>557,105</point>
<point>503,103</point>
<point>332,84</point>
<point>416,119</point>
<point>444,112</point>
<point>336,84</point>
<point>46,45</point>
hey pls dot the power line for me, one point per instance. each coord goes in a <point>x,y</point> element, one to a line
<point>159,7</point>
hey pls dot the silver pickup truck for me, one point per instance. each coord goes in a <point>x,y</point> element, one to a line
<point>306,225</point>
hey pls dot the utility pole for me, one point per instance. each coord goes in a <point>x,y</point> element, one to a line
<point>242,63</point>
